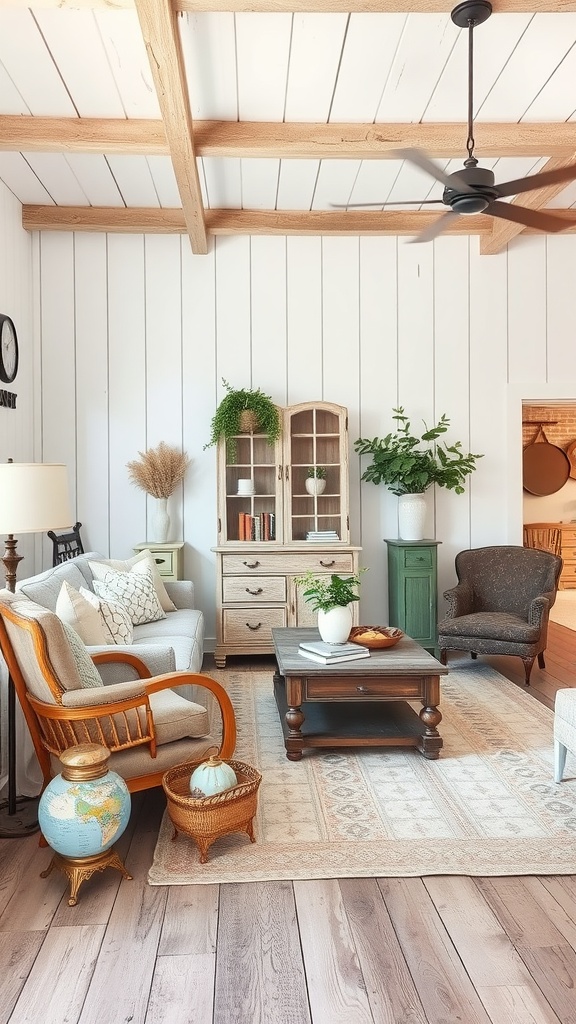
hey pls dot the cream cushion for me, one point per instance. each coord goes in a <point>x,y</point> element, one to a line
<point>135,591</point>
<point>73,608</point>
<point>144,560</point>
<point>116,622</point>
<point>87,671</point>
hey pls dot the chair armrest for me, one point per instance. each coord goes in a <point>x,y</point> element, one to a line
<point>224,703</point>
<point>139,661</point>
<point>460,600</point>
<point>538,610</point>
<point>180,592</point>
<point>119,725</point>
<point>94,696</point>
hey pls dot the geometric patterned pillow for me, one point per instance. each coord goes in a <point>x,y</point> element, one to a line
<point>116,622</point>
<point>87,670</point>
<point>135,591</point>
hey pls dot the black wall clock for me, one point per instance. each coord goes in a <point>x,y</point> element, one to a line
<point>8,349</point>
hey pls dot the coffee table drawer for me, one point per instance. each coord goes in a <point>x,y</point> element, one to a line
<point>357,688</point>
<point>254,625</point>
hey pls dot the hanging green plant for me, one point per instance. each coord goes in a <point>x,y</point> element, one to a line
<point>227,421</point>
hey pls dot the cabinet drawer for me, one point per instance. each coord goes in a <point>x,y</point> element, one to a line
<point>285,563</point>
<point>569,538</point>
<point>358,688</point>
<point>418,558</point>
<point>251,625</point>
<point>164,560</point>
<point>259,590</point>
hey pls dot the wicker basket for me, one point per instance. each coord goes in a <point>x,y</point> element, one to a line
<point>387,636</point>
<point>214,816</point>
<point>248,421</point>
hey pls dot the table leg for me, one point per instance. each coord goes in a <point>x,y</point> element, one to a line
<point>430,716</point>
<point>294,717</point>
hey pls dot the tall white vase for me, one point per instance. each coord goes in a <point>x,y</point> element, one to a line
<point>411,516</point>
<point>334,625</point>
<point>160,521</point>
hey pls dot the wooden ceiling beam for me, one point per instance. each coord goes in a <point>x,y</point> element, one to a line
<point>503,231</point>
<point>310,6</point>
<point>255,222</point>
<point>263,139</point>
<point>159,26</point>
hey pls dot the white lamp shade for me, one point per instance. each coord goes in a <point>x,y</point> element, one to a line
<point>33,497</point>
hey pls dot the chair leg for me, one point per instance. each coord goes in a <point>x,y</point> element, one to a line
<point>443,655</point>
<point>541,662</point>
<point>473,654</point>
<point>528,662</point>
<point>559,760</point>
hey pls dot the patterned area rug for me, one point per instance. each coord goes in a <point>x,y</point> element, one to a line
<point>488,806</point>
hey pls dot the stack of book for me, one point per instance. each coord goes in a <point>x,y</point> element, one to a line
<point>261,526</point>
<point>332,654</point>
<point>323,536</point>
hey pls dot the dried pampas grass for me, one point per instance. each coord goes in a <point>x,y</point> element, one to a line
<point>158,470</point>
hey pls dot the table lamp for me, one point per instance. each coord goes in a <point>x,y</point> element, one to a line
<point>33,499</point>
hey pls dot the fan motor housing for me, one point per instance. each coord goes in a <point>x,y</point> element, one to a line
<point>480,181</point>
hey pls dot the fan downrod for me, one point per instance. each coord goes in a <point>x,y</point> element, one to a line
<point>473,12</point>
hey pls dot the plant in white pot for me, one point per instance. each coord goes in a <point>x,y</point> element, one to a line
<point>315,482</point>
<point>331,596</point>
<point>408,469</point>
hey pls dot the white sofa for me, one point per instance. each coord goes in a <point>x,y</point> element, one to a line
<point>173,643</point>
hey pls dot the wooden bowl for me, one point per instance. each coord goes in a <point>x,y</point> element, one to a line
<point>387,636</point>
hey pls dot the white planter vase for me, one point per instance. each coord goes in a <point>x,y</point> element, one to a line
<point>335,624</point>
<point>411,516</point>
<point>160,521</point>
<point>315,485</point>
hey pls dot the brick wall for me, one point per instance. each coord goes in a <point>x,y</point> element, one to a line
<point>561,432</point>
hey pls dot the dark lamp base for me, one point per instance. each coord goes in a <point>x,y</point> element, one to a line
<point>23,823</point>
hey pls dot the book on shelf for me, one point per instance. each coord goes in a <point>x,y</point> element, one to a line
<point>336,660</point>
<point>257,527</point>
<point>332,650</point>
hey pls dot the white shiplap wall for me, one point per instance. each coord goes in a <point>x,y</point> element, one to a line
<point>136,334</point>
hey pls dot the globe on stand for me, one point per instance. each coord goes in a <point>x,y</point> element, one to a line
<point>82,812</point>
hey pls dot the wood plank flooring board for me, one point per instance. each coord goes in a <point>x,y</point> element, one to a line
<point>509,1004</point>
<point>57,984</point>
<point>441,980</point>
<point>519,914</point>
<point>391,992</point>
<point>122,978</point>
<point>336,985</point>
<point>259,972</point>
<point>562,888</point>
<point>32,901</point>
<point>191,920</point>
<point>18,950</point>
<point>554,971</point>
<point>183,990</point>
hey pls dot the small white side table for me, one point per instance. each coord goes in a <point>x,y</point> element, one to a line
<point>168,557</point>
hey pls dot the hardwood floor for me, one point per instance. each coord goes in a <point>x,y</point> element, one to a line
<point>432,950</point>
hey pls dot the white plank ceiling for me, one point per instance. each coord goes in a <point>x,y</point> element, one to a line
<point>306,67</point>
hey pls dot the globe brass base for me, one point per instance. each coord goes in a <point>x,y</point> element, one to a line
<point>80,869</point>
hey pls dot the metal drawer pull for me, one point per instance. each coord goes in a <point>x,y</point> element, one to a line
<point>327,565</point>
<point>253,628</point>
<point>251,565</point>
<point>254,592</point>
<point>362,689</point>
<point>159,561</point>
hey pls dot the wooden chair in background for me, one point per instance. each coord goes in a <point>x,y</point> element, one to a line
<point>545,536</point>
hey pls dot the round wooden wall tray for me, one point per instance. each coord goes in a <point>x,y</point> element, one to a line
<point>376,637</point>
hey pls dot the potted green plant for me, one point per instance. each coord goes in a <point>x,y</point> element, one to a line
<point>331,596</point>
<point>315,482</point>
<point>243,410</point>
<point>409,465</point>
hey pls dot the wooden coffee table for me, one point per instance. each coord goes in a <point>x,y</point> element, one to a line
<point>357,703</point>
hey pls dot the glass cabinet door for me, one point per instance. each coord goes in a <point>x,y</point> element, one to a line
<point>250,498</point>
<point>316,507</point>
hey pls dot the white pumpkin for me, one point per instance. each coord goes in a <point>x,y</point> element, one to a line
<point>213,776</point>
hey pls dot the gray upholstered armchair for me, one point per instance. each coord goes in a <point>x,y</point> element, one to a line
<point>501,603</point>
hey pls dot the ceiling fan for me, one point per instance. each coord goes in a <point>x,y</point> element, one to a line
<point>473,190</point>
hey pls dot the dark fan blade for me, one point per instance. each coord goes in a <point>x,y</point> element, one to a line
<point>436,228</point>
<point>512,188</point>
<point>530,218</point>
<point>398,202</point>
<point>419,157</point>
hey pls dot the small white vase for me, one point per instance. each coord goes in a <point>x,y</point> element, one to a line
<point>315,485</point>
<point>334,625</point>
<point>160,521</point>
<point>411,516</point>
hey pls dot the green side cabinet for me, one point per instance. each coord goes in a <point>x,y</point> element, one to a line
<point>413,589</point>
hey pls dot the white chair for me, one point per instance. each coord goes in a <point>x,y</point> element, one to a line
<point>564,729</point>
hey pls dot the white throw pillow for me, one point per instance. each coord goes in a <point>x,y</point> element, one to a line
<point>116,622</point>
<point>135,590</point>
<point>73,608</point>
<point>144,560</point>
